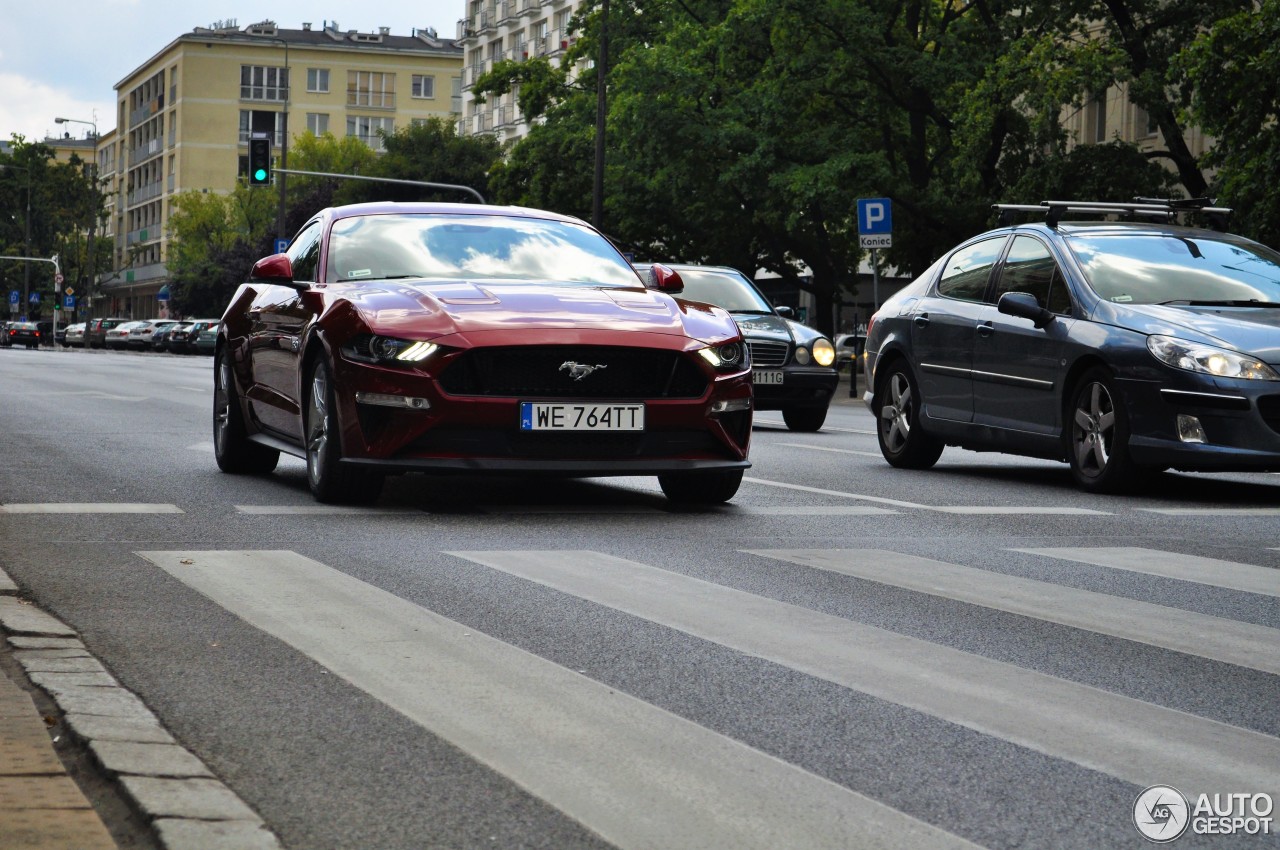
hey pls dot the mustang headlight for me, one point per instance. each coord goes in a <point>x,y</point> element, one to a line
<point>1208,359</point>
<point>386,350</point>
<point>729,357</point>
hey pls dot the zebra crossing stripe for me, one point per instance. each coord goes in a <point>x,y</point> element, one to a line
<point>1227,574</point>
<point>1015,510</point>
<point>635,774</point>
<point>88,508</point>
<point>1117,735</point>
<point>1217,638</point>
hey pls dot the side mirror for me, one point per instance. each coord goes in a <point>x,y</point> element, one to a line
<point>1025,306</point>
<point>785,312</point>
<point>664,279</point>
<point>277,270</point>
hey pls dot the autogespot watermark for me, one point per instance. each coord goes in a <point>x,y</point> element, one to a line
<point>1162,814</point>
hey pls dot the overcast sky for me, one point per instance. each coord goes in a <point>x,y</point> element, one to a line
<point>64,59</point>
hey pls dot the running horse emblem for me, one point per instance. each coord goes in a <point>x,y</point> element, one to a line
<point>578,371</point>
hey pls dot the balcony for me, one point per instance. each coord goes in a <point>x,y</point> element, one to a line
<point>146,111</point>
<point>142,235</point>
<point>529,7</point>
<point>145,193</point>
<point>145,151</point>
<point>371,99</point>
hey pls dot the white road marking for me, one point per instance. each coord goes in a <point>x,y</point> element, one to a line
<point>201,447</point>
<point>1213,512</point>
<point>89,508</point>
<point>950,509</point>
<point>638,776</point>
<point>94,394</point>
<point>831,449</point>
<point>319,510</point>
<point>1117,735</point>
<point>809,510</point>
<point>1228,574</point>
<point>1220,639</point>
<point>196,389</point>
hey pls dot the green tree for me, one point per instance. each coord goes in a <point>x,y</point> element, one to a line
<point>214,241</point>
<point>327,154</point>
<point>1234,69</point>
<point>430,151</point>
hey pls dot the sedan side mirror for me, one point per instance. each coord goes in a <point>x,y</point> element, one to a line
<point>664,279</point>
<point>1025,306</point>
<point>277,270</point>
<point>785,312</point>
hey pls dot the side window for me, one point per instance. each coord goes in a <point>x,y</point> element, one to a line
<point>1031,268</point>
<point>967,271</point>
<point>304,253</point>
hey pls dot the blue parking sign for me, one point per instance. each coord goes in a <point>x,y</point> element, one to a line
<point>14,297</point>
<point>69,302</point>
<point>875,223</point>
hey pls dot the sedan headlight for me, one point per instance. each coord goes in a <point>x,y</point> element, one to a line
<point>729,357</point>
<point>1208,359</point>
<point>824,353</point>
<point>386,350</point>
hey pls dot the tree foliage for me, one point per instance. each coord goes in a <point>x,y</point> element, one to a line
<point>214,241</point>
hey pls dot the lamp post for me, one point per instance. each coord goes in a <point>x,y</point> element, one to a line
<point>26,237</point>
<point>93,219</point>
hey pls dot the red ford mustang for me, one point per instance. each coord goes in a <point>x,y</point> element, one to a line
<point>446,338</point>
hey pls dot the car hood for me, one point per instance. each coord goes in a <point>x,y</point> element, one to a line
<point>1254,330</point>
<point>434,309</point>
<point>757,326</point>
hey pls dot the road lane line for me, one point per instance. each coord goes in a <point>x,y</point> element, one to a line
<point>1217,638</point>
<point>320,510</point>
<point>950,509</point>
<point>88,508</point>
<point>1213,512</point>
<point>1114,734</point>
<point>1211,571</point>
<point>635,774</point>
<point>831,449</point>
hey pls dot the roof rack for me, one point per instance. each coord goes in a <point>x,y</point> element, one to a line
<point>1158,208</point>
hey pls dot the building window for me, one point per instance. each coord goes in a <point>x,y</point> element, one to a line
<point>424,86</point>
<point>246,126</point>
<point>366,127</point>
<point>1097,117</point>
<point>318,80</point>
<point>258,82</point>
<point>371,88</point>
<point>318,123</point>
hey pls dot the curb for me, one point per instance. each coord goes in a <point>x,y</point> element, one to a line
<point>187,807</point>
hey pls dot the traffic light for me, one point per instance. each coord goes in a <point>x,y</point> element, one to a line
<point>260,162</point>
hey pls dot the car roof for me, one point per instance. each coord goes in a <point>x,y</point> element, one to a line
<point>422,208</point>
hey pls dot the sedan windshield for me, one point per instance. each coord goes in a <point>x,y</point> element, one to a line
<point>1195,269</point>
<point>471,247</point>
<point>722,289</point>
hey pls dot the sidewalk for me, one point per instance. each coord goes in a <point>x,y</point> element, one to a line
<point>173,795</point>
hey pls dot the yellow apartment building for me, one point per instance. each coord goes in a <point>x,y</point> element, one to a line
<point>185,115</point>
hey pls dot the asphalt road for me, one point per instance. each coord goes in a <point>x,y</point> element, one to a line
<point>846,655</point>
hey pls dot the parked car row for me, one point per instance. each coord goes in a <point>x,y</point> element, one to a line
<point>173,335</point>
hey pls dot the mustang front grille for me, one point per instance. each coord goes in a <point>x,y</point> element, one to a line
<point>574,371</point>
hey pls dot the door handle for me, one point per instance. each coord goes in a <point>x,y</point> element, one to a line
<point>921,320</point>
<point>985,329</point>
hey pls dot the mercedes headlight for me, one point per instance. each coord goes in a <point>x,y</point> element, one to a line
<point>824,353</point>
<point>1208,359</point>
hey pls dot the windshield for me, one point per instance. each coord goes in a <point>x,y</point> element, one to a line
<point>723,289</point>
<point>469,247</point>
<point>1197,268</point>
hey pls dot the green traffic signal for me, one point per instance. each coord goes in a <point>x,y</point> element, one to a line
<point>260,162</point>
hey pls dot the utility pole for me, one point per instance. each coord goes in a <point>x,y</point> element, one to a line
<point>602,63</point>
<point>93,215</point>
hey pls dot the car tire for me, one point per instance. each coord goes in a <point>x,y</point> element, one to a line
<point>804,418</point>
<point>701,488</point>
<point>330,481</point>
<point>1097,438</point>
<point>232,448</point>
<point>897,405</point>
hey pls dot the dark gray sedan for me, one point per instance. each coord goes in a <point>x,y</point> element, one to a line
<point>793,366</point>
<point>1121,348</point>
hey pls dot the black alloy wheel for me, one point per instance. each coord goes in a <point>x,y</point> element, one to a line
<point>232,448</point>
<point>897,403</point>
<point>329,479</point>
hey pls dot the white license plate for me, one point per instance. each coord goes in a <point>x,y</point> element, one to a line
<point>762,377</point>
<point>544,416</point>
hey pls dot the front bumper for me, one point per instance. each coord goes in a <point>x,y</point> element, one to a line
<point>800,387</point>
<point>1240,419</point>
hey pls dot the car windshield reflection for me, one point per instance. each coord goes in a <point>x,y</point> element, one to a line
<point>1203,270</point>
<point>471,247</point>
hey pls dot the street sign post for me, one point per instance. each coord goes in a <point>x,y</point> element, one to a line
<point>875,231</point>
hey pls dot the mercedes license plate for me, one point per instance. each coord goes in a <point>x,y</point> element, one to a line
<point>546,416</point>
<point>762,377</point>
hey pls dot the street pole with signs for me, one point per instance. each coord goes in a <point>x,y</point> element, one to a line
<point>875,231</point>
<point>93,219</point>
